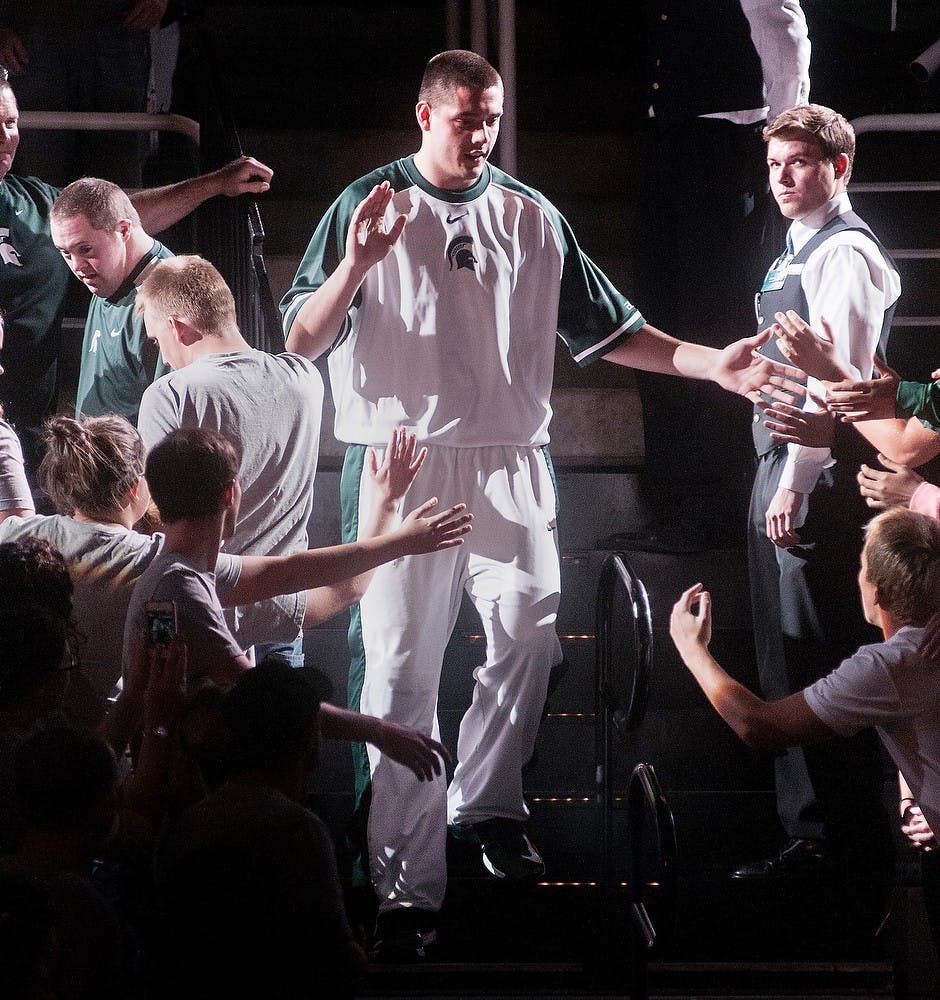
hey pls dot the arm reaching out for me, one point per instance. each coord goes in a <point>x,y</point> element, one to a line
<point>774,724</point>
<point>737,367</point>
<point>159,208</point>
<point>336,576</point>
<point>409,747</point>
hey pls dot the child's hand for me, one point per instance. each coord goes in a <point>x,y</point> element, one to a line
<point>421,533</point>
<point>399,467</point>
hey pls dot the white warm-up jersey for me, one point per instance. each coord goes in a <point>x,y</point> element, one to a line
<point>452,335</point>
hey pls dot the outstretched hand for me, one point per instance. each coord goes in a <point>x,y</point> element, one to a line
<point>741,369</point>
<point>411,748</point>
<point>690,623</point>
<point>810,428</point>
<point>397,471</point>
<point>814,353</point>
<point>419,533</point>
<point>891,487</point>
<point>873,399</point>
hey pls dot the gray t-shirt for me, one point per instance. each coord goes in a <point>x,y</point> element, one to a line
<point>105,561</point>
<point>14,490</point>
<point>270,404</point>
<point>171,577</point>
<point>889,686</point>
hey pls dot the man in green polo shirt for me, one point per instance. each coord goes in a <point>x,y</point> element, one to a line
<point>98,232</point>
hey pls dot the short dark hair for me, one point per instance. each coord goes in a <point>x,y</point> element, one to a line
<point>63,777</point>
<point>455,68</point>
<point>189,471</point>
<point>270,715</point>
<point>817,124</point>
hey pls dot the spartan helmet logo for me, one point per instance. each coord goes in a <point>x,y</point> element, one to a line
<point>8,252</point>
<point>460,253</point>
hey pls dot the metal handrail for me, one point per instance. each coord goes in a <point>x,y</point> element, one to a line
<point>615,715</point>
<point>647,809</point>
<point>110,121</point>
<point>617,569</point>
<point>927,122</point>
<point>621,695</point>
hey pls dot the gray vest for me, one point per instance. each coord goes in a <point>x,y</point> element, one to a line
<point>789,295</point>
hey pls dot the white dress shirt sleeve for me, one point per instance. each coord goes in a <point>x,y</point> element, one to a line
<point>847,282</point>
<point>778,31</point>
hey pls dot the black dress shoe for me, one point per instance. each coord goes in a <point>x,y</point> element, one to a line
<point>797,858</point>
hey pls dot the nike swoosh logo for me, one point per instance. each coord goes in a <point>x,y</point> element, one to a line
<point>19,212</point>
<point>451,219</point>
<point>115,333</point>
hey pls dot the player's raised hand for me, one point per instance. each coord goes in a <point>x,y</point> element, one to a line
<point>370,238</point>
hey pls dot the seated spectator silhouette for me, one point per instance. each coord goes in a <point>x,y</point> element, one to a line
<point>33,652</point>
<point>250,898</point>
<point>66,788</point>
<point>35,633</point>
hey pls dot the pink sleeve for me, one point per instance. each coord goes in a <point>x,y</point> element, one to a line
<point>926,500</point>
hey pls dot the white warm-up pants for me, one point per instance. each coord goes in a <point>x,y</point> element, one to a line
<point>509,566</point>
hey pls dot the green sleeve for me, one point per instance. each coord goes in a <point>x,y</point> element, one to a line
<point>920,400</point>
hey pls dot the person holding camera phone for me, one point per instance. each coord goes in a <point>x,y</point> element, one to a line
<point>93,470</point>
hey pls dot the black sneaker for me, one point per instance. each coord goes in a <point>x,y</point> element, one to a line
<point>798,858</point>
<point>506,848</point>
<point>403,935</point>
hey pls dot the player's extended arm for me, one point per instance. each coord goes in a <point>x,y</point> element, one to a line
<point>768,724</point>
<point>736,367</point>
